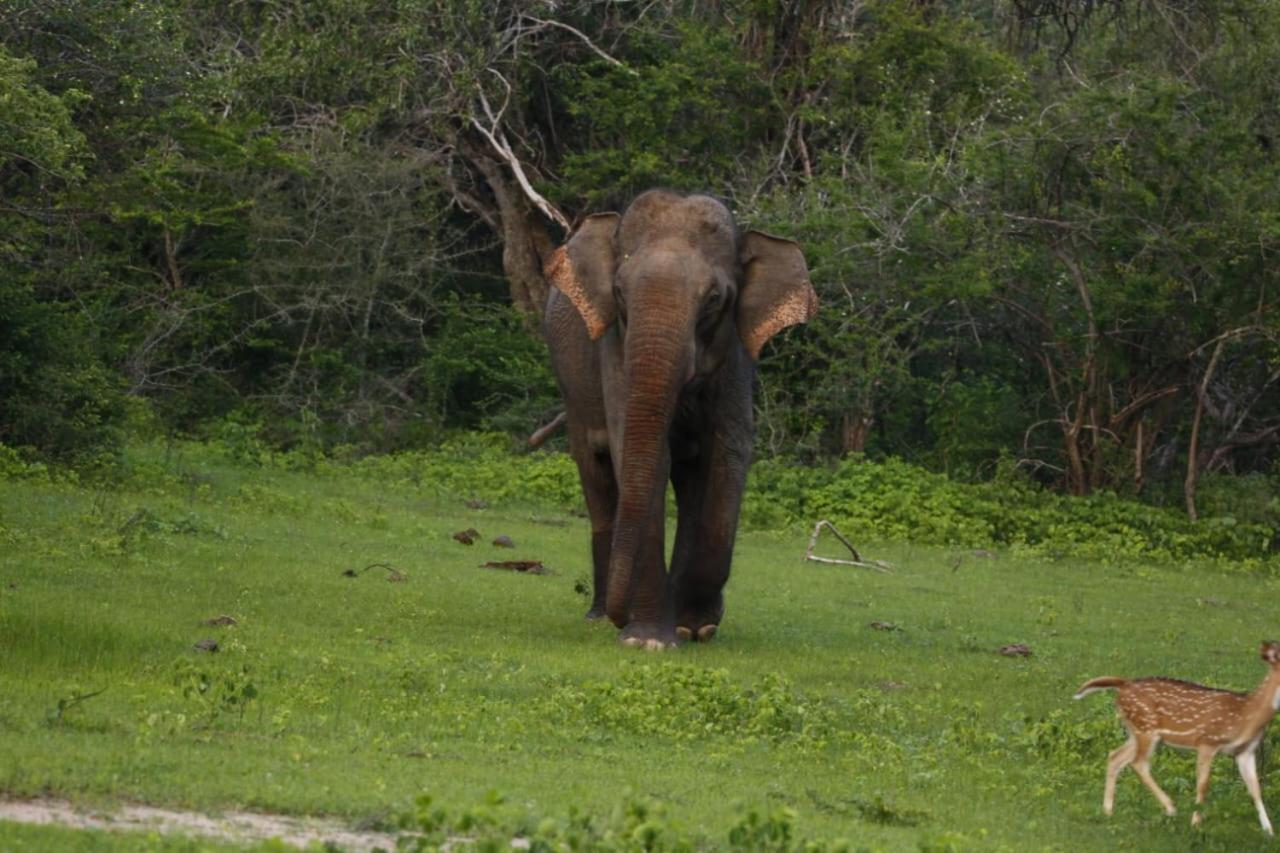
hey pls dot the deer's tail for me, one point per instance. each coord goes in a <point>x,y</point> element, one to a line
<point>1106,682</point>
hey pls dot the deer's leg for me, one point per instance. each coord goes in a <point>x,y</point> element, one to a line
<point>1146,745</point>
<point>1204,763</point>
<point>1247,762</point>
<point>1119,760</point>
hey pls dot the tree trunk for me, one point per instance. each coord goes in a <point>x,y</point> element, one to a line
<point>1193,452</point>
<point>526,242</point>
<point>854,431</point>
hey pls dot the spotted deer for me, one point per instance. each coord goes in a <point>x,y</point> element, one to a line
<point>1191,716</point>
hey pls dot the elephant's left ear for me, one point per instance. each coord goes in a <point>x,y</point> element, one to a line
<point>776,292</point>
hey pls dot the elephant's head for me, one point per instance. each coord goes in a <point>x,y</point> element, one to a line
<point>684,289</point>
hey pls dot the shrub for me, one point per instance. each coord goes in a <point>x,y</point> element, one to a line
<point>55,396</point>
<point>896,501</point>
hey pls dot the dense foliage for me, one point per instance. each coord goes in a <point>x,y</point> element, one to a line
<point>894,501</point>
<point>1043,231</point>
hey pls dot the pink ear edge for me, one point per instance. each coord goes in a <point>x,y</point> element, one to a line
<point>798,307</point>
<point>559,272</point>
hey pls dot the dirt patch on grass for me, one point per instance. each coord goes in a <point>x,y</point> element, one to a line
<point>235,827</point>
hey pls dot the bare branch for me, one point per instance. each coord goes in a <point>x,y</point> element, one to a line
<point>542,433</point>
<point>498,140</point>
<point>585,40</point>
<point>876,565</point>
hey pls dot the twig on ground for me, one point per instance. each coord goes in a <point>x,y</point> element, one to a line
<point>876,565</point>
<point>393,574</point>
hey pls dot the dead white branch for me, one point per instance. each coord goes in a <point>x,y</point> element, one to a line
<point>585,40</point>
<point>498,140</point>
<point>876,565</point>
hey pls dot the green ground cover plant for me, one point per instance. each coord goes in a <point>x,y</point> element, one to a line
<point>890,500</point>
<point>427,692</point>
<point>36,839</point>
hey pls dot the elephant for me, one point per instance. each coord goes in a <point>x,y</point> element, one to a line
<point>654,323</point>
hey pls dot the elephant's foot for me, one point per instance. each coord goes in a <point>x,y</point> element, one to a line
<point>596,613</point>
<point>699,623</point>
<point>654,638</point>
<point>704,634</point>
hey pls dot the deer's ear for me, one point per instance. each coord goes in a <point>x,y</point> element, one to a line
<point>582,269</point>
<point>776,292</point>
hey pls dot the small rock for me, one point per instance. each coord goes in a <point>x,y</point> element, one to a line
<point>983,552</point>
<point>468,536</point>
<point>206,646</point>
<point>883,626</point>
<point>503,542</point>
<point>220,621</point>
<point>1016,650</point>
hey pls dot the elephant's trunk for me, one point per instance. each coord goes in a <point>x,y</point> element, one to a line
<point>657,359</point>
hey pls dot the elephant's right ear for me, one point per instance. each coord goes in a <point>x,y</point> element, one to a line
<point>582,269</point>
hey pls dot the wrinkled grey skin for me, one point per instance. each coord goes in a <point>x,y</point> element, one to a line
<point>653,325</point>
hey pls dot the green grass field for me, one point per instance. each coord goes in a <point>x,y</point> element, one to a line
<point>353,696</point>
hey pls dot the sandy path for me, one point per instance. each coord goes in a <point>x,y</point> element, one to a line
<point>236,827</point>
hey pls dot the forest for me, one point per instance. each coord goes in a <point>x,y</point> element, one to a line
<point>1044,232</point>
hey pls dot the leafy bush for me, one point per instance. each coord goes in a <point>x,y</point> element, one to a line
<point>1241,498</point>
<point>896,501</point>
<point>13,466</point>
<point>484,371</point>
<point>478,465</point>
<point>54,394</point>
<point>888,501</point>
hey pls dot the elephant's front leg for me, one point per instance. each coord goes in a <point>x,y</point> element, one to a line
<point>709,493</point>
<point>650,625</point>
